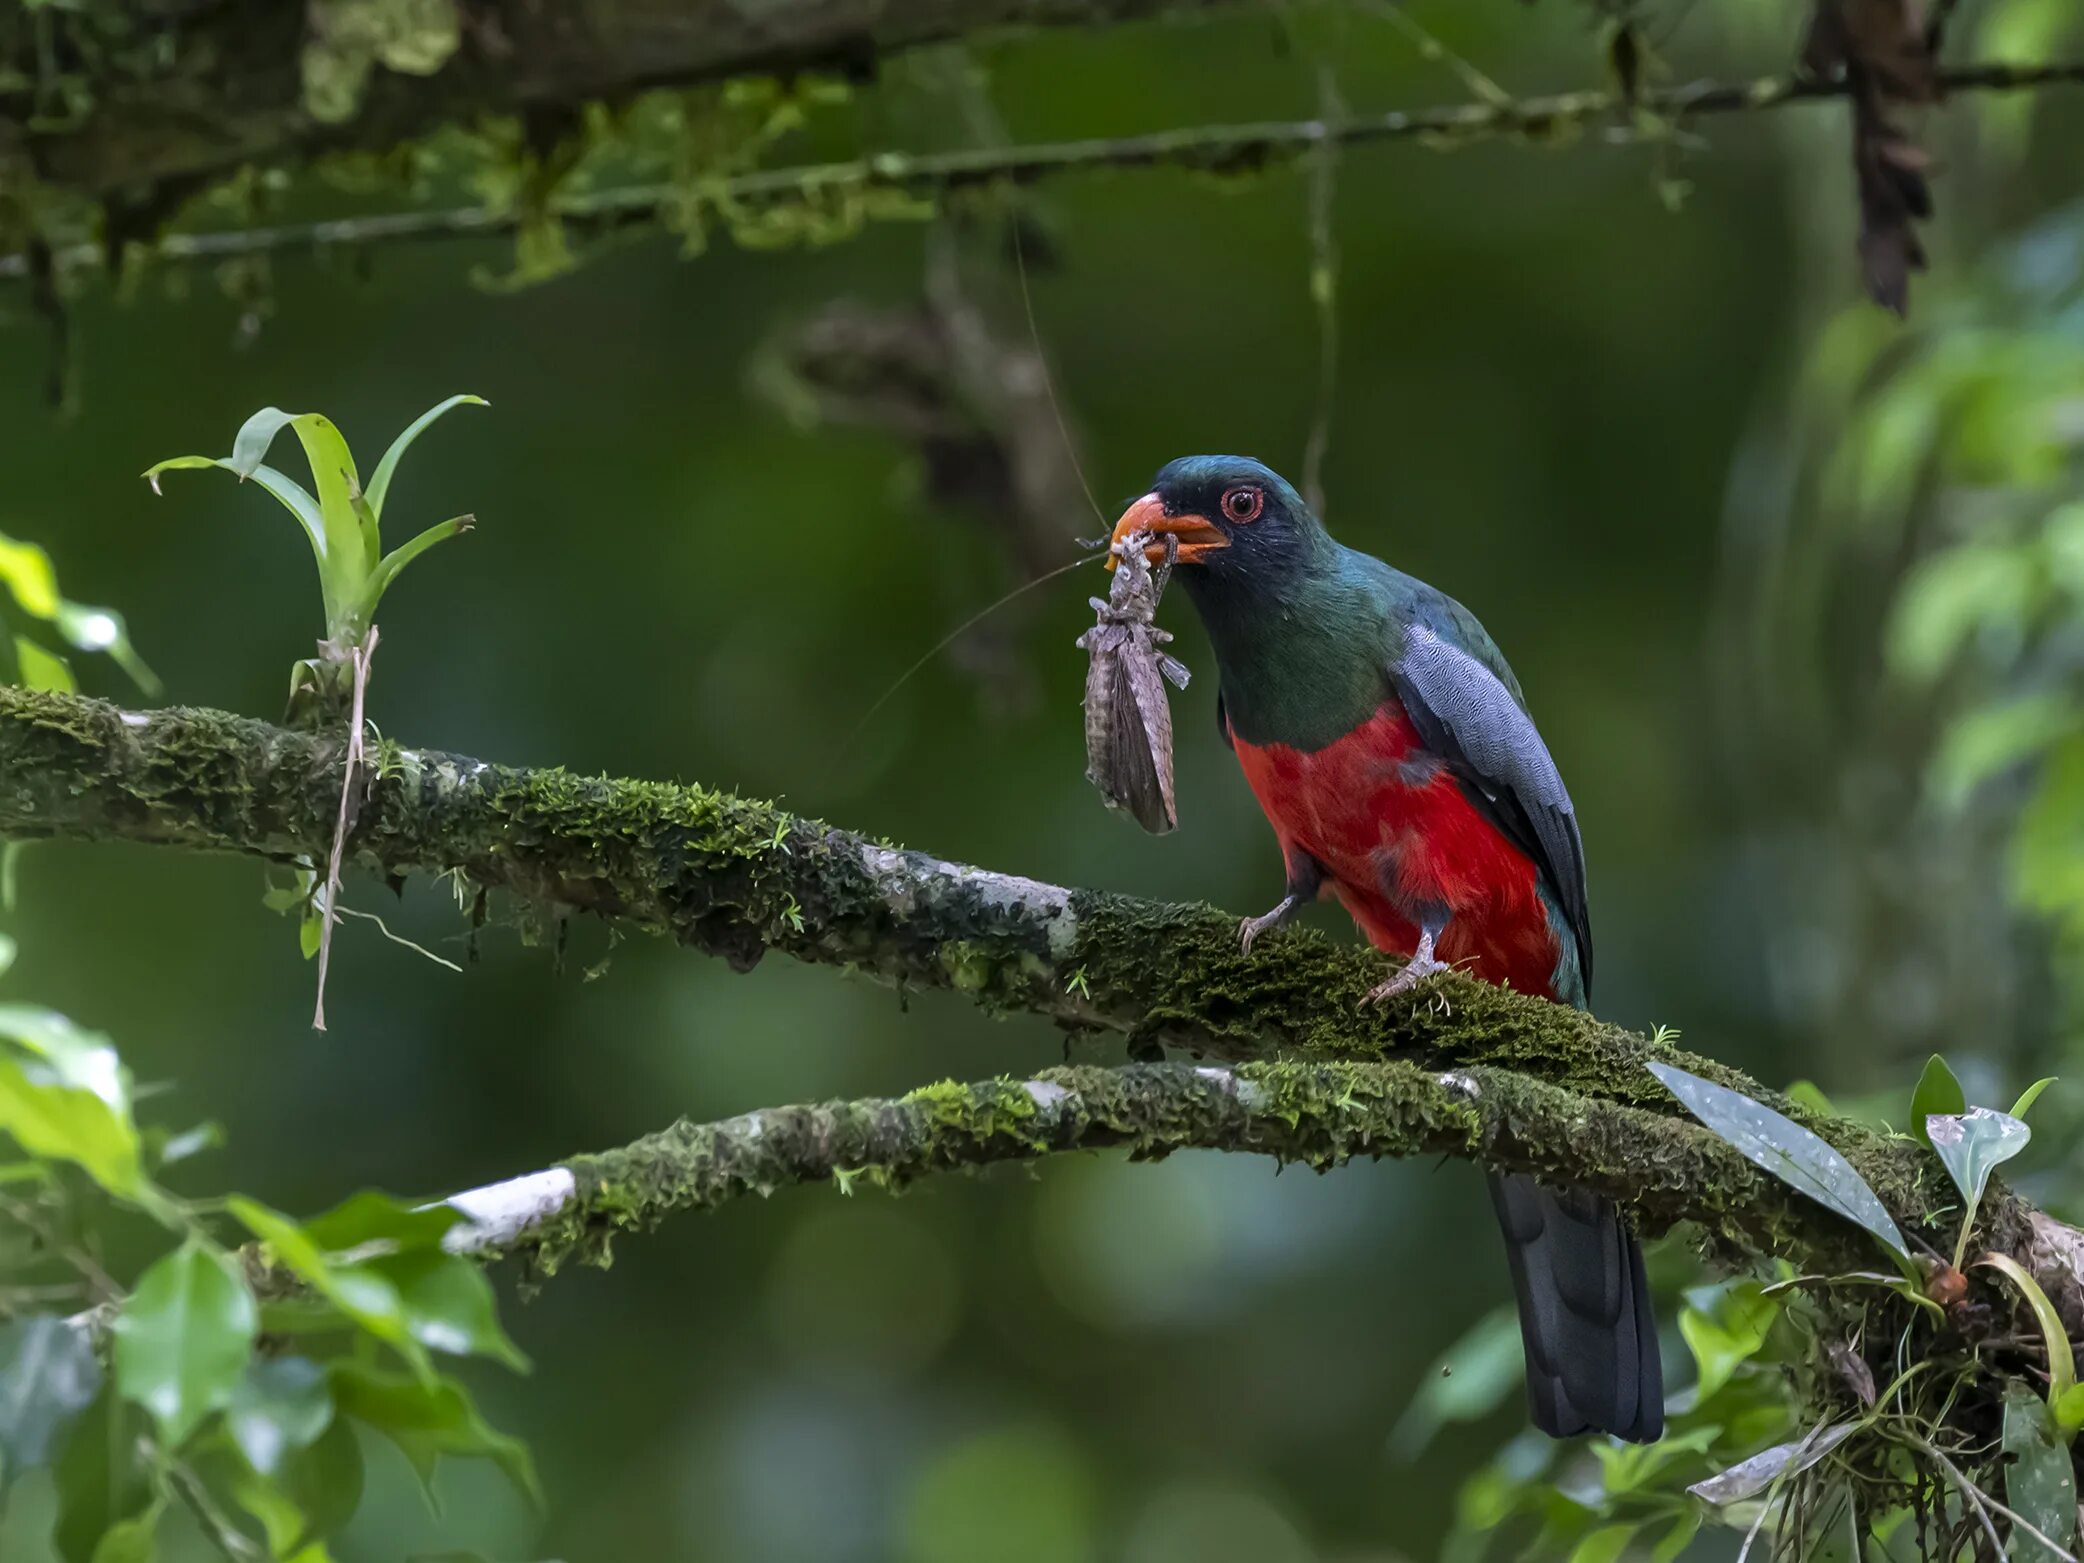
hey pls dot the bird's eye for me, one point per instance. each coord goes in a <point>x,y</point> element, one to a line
<point>1243,503</point>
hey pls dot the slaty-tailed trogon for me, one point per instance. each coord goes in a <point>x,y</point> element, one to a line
<point>1389,745</point>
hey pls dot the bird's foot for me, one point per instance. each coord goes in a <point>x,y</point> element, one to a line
<point>1421,966</point>
<point>1251,928</point>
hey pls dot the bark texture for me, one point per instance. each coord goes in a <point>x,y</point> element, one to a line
<point>1464,1068</point>
<point>122,94</point>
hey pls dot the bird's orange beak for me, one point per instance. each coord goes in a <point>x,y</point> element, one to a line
<point>1198,536</point>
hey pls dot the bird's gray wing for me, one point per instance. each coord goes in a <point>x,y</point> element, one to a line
<point>1466,714</point>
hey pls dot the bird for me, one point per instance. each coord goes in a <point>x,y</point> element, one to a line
<point>1389,745</point>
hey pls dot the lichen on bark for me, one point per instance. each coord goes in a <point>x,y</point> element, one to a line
<point>739,877</point>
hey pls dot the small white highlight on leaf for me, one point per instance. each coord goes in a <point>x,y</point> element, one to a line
<point>1045,1094</point>
<point>94,631</point>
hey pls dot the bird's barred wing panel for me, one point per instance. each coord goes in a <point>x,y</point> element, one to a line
<point>1468,716</point>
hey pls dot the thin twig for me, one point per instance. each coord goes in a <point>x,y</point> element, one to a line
<point>1220,148</point>
<point>1974,1496</point>
<point>384,928</point>
<point>1431,46</point>
<point>351,771</point>
<point>1324,290</point>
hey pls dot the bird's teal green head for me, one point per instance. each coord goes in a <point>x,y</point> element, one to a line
<point>1241,528</point>
<point>1297,628</point>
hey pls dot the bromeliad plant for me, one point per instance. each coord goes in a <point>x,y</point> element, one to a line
<point>343,522</point>
<point>1851,1467</point>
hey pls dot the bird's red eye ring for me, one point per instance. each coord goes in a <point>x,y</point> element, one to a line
<point>1243,504</point>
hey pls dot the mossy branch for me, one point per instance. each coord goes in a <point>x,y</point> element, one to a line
<point>1557,1091</point>
<point>932,177</point>
<point>1666,1170</point>
<point>114,96</point>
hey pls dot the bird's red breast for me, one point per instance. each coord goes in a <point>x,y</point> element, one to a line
<point>1393,830</point>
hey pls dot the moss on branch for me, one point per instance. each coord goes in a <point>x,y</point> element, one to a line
<point>108,96</point>
<point>738,877</point>
<point>1318,1114</point>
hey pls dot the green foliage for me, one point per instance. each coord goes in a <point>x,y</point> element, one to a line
<point>26,572</point>
<point>2040,1484</point>
<point>183,1338</point>
<point>1971,1146</point>
<point>1937,1092</point>
<point>195,1414</point>
<point>341,521</point>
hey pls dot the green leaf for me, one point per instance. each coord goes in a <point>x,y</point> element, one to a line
<point>49,1118</point>
<point>1937,1092</point>
<point>380,485</point>
<point>1749,1478</point>
<point>1808,1094</point>
<point>1784,1148</point>
<point>25,570</point>
<point>183,1338</point>
<point>2022,1106</point>
<point>134,1540</point>
<point>1604,1545</point>
<point>1972,1145</point>
<point>1471,1379</point>
<point>102,1479</point>
<point>1676,1540</point>
<point>48,1376</point>
<point>2039,1483</point>
<point>359,1292</point>
<point>41,669</point>
<point>1986,741</point>
<point>374,1217</point>
<point>349,553</point>
<point>315,1494</point>
<point>294,497</point>
<point>395,562</point>
<point>1728,1338</point>
<point>429,1420</point>
<point>281,1405</point>
<point>449,1305</point>
<point>2068,1409</point>
<point>2055,1339</point>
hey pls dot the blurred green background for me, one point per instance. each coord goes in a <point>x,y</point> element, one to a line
<point>1605,425</point>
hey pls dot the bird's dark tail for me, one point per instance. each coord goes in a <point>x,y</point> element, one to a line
<point>1585,1319</point>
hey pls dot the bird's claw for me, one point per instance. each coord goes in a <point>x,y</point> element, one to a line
<point>1415,971</point>
<point>1249,930</point>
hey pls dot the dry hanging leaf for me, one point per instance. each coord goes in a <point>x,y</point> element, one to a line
<point>1886,50</point>
<point>1128,721</point>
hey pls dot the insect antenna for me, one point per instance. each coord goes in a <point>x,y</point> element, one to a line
<point>1094,547</point>
<point>956,634</point>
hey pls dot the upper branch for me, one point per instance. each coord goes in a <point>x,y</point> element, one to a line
<point>140,95</point>
<point>936,175</point>
<point>738,877</point>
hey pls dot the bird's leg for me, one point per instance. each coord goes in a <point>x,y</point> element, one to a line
<point>1305,880</point>
<point>1423,963</point>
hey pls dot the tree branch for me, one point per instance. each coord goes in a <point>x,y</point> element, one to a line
<point>855,185</point>
<point>133,95</point>
<point>1559,1092</point>
<point>1666,1170</point>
